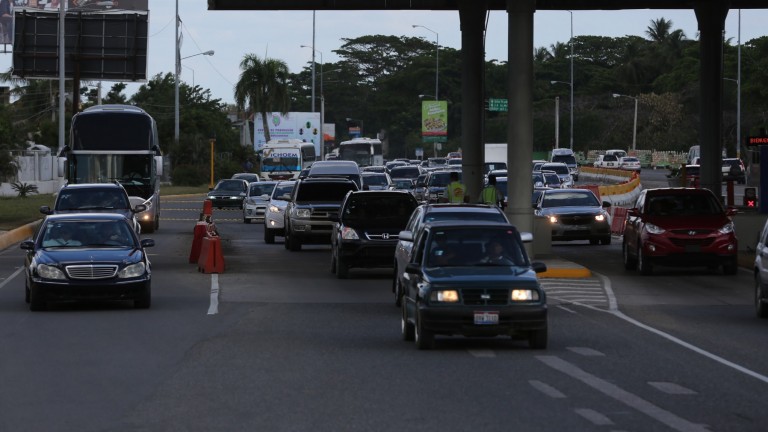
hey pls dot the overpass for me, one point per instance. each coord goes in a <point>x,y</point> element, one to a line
<point>710,15</point>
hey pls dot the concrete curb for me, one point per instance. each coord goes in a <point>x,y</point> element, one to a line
<point>18,234</point>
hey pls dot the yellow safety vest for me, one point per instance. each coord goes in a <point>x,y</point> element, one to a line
<point>489,195</point>
<point>455,192</point>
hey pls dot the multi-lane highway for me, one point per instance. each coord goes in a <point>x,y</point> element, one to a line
<point>277,343</point>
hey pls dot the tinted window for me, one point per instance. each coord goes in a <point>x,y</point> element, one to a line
<point>441,179</point>
<point>469,247</point>
<point>491,216</point>
<point>388,210</point>
<point>375,180</point>
<point>693,204</point>
<point>233,186</point>
<point>261,189</point>
<point>283,189</point>
<point>405,172</point>
<point>112,130</point>
<point>323,191</point>
<point>566,159</point>
<point>560,169</point>
<point>570,199</point>
<point>91,199</point>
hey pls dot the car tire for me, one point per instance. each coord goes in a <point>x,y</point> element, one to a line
<point>731,267</point>
<point>605,241</point>
<point>145,300</point>
<point>342,270</point>
<point>425,339</point>
<point>761,308</point>
<point>286,238</point>
<point>26,291</point>
<point>629,262</point>
<point>294,244</point>
<point>643,266</point>
<point>36,301</point>
<point>269,235</point>
<point>406,328</point>
<point>537,339</point>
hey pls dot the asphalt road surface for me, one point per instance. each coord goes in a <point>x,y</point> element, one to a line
<point>277,343</point>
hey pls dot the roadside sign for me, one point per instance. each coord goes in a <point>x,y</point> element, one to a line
<point>497,105</point>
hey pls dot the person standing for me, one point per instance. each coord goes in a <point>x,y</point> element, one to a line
<point>6,21</point>
<point>455,189</point>
<point>490,194</point>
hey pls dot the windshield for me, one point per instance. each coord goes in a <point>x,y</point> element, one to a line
<point>257,189</point>
<point>281,160</point>
<point>476,247</point>
<point>324,191</point>
<point>560,169</point>
<point>360,153</point>
<point>282,189</point>
<point>230,186</point>
<point>375,180</point>
<point>108,233</point>
<point>441,179</point>
<point>566,159</point>
<point>387,211</point>
<point>690,204</point>
<point>570,199</point>
<point>128,169</point>
<point>100,198</point>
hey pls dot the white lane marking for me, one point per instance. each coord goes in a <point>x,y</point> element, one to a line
<point>481,353</point>
<point>566,309</point>
<point>547,389</point>
<point>213,309</point>
<point>596,418</point>
<point>587,352</point>
<point>671,388</point>
<point>633,401</point>
<point>613,310</point>
<point>16,273</point>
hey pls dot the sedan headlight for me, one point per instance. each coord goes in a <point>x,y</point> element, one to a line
<point>275,209</point>
<point>521,295</point>
<point>49,272</point>
<point>552,219</point>
<point>653,229</point>
<point>133,270</point>
<point>303,213</point>
<point>348,233</point>
<point>600,218</point>
<point>726,229</point>
<point>444,296</point>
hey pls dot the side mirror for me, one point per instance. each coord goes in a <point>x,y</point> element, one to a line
<point>405,235</point>
<point>731,211</point>
<point>413,268</point>
<point>606,204</point>
<point>538,267</point>
<point>27,245</point>
<point>138,208</point>
<point>145,243</point>
<point>46,210</point>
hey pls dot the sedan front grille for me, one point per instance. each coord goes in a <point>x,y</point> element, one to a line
<point>485,296</point>
<point>91,271</point>
<point>582,219</point>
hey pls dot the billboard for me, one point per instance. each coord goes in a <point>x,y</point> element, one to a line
<point>303,126</point>
<point>434,121</point>
<point>99,45</point>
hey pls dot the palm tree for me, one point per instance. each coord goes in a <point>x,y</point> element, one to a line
<point>263,86</point>
<point>659,29</point>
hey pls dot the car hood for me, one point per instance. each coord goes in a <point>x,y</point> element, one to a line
<point>704,222</point>
<point>216,193</point>
<point>89,255</point>
<point>548,211</point>
<point>486,275</point>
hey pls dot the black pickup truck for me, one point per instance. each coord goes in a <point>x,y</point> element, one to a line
<point>308,213</point>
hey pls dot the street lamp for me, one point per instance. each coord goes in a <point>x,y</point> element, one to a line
<point>634,128</point>
<point>313,74</point>
<point>738,115</point>
<point>179,58</point>
<point>437,57</point>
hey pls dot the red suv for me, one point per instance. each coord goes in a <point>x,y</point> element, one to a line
<point>679,227</point>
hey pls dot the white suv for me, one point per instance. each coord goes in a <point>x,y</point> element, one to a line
<point>761,274</point>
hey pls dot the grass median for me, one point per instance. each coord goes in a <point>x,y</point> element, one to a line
<point>16,211</point>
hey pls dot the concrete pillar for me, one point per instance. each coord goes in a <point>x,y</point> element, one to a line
<point>710,15</point>
<point>472,17</point>
<point>520,115</point>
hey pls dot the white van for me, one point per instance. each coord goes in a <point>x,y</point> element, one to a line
<point>616,152</point>
<point>566,156</point>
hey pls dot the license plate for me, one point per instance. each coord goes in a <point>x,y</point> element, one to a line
<point>693,248</point>
<point>486,318</point>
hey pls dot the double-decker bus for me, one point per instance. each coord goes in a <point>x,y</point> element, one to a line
<point>109,143</point>
<point>284,159</point>
<point>364,151</point>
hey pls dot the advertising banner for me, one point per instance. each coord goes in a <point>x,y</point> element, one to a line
<point>304,126</point>
<point>434,121</point>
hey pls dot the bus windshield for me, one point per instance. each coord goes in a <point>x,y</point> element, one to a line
<point>360,153</point>
<point>282,160</point>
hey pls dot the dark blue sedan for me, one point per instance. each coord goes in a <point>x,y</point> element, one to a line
<point>87,256</point>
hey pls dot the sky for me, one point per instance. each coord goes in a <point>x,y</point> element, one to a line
<point>280,34</point>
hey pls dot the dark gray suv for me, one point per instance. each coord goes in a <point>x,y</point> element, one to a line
<point>307,215</point>
<point>95,197</point>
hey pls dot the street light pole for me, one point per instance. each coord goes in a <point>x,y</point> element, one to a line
<point>437,57</point>
<point>568,84</point>
<point>634,128</point>
<point>571,12</point>
<point>179,58</point>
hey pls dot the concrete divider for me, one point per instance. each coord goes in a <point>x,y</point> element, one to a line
<point>19,234</point>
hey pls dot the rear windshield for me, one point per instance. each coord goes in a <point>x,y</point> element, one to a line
<point>566,159</point>
<point>323,191</point>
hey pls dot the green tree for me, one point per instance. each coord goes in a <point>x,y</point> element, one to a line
<point>263,87</point>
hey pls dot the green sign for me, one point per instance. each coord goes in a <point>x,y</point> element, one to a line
<point>497,105</point>
<point>434,121</point>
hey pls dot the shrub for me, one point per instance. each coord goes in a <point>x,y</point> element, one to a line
<point>24,189</point>
<point>190,175</point>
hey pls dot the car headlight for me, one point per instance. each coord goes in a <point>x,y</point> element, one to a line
<point>210,197</point>
<point>445,296</point>
<point>303,213</point>
<point>348,233</point>
<point>653,229</point>
<point>726,229</point>
<point>552,219</point>
<point>600,217</point>
<point>242,194</point>
<point>524,295</point>
<point>49,272</point>
<point>275,209</point>
<point>131,271</point>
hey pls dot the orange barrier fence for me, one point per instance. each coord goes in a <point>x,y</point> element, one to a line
<point>617,220</point>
